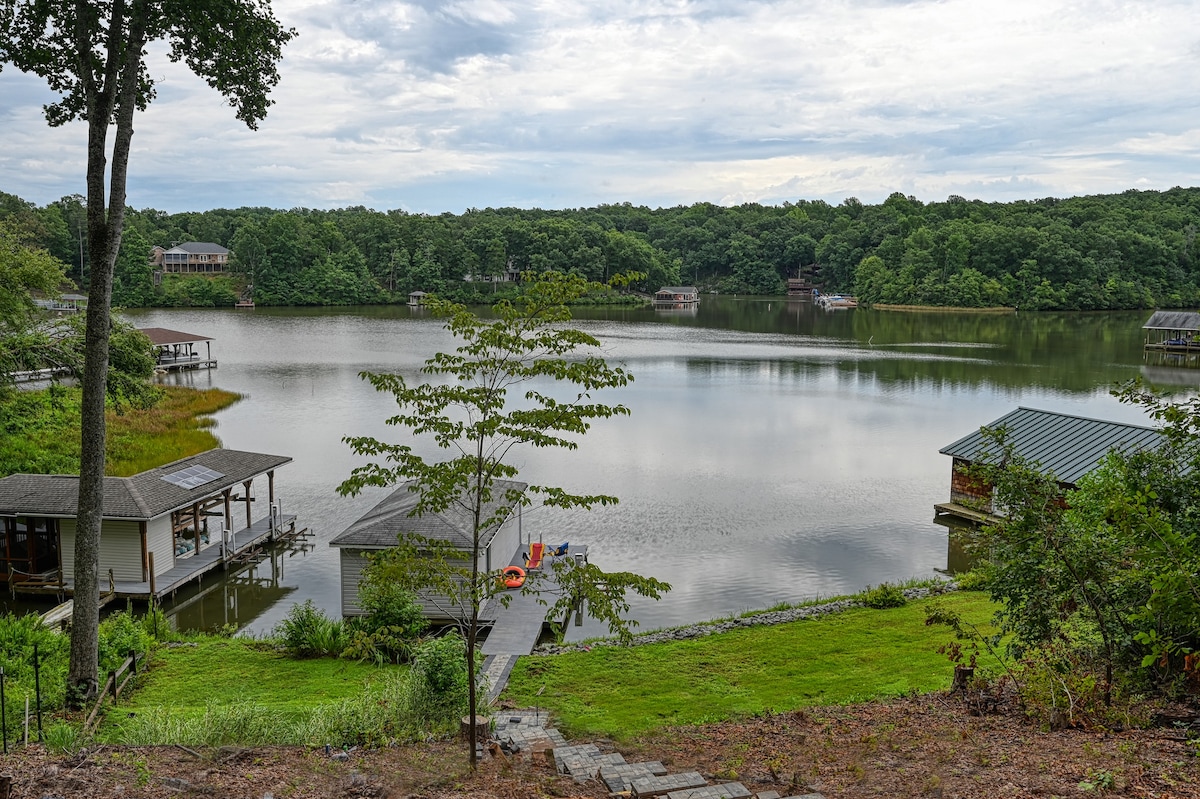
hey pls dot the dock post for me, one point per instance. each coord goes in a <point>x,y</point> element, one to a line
<point>153,591</point>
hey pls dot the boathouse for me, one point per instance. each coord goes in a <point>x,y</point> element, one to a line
<point>1173,331</point>
<point>379,529</point>
<point>417,298</point>
<point>175,350</point>
<point>676,295</point>
<point>1061,445</point>
<point>161,529</point>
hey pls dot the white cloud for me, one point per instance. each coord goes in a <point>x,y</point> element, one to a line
<point>445,105</point>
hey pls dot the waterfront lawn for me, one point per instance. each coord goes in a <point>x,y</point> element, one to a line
<point>39,430</point>
<point>858,655</point>
<point>187,681</point>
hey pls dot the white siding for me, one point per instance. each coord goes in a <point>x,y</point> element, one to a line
<point>506,543</point>
<point>353,561</point>
<point>66,546</point>
<point>121,551</point>
<point>161,541</point>
<point>436,607</point>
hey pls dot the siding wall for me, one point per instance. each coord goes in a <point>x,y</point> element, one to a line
<point>161,542</point>
<point>436,607</point>
<point>120,550</point>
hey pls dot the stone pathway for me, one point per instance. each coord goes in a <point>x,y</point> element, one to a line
<point>530,731</point>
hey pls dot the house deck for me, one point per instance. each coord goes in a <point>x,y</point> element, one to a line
<point>243,543</point>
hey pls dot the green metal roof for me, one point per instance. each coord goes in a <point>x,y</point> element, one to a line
<point>1065,446</point>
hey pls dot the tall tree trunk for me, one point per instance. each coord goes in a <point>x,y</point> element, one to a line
<point>104,242</point>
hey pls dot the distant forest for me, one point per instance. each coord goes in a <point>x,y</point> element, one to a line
<point>1137,249</point>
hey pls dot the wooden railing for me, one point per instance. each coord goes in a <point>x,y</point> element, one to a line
<point>117,682</point>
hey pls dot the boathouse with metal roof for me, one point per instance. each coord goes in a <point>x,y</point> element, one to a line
<point>1061,445</point>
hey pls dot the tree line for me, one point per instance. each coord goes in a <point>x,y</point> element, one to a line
<point>1136,249</point>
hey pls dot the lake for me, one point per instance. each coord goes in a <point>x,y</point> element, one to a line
<point>776,452</point>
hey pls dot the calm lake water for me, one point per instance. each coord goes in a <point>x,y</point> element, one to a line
<point>776,452</point>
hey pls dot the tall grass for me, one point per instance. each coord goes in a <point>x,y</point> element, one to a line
<point>388,710</point>
<point>39,430</point>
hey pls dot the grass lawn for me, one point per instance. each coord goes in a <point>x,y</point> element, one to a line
<point>184,680</point>
<point>846,657</point>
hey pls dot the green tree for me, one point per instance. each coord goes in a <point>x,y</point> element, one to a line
<point>93,55</point>
<point>526,345</point>
<point>23,271</point>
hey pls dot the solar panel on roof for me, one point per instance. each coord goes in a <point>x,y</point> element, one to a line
<point>192,477</point>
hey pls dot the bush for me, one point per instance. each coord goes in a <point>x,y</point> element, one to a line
<point>439,690</point>
<point>885,595</point>
<point>978,579</point>
<point>391,628</point>
<point>121,634</point>
<point>308,632</point>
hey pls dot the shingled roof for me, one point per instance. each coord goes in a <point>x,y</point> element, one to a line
<point>1060,444</point>
<point>1173,320</point>
<point>200,248</point>
<point>141,497</point>
<point>379,527</point>
<point>162,337</point>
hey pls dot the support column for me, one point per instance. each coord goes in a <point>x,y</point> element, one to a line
<point>246,486</point>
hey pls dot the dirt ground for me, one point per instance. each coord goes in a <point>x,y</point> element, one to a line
<point>926,746</point>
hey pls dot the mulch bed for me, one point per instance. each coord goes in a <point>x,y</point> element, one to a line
<point>926,746</point>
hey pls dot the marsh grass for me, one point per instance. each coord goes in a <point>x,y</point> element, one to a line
<point>857,655</point>
<point>39,430</point>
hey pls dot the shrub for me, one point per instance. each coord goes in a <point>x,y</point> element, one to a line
<point>978,579</point>
<point>439,691</point>
<point>308,632</point>
<point>121,634</point>
<point>391,627</point>
<point>885,595</point>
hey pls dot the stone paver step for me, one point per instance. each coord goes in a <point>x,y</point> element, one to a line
<point>583,762</point>
<point>660,786</point>
<point>726,790</point>
<point>619,778</point>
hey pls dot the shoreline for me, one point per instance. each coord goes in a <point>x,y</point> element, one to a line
<point>688,632</point>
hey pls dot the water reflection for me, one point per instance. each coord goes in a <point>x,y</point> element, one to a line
<point>775,452</point>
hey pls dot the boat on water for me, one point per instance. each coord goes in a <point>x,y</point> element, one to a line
<point>833,301</point>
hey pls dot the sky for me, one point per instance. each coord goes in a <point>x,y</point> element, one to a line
<point>432,106</point>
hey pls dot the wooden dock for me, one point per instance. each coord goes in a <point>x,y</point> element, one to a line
<point>516,628</point>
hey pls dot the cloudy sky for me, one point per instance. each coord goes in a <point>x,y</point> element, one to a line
<point>433,106</point>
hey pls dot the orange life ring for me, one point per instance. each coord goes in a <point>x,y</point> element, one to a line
<point>513,576</point>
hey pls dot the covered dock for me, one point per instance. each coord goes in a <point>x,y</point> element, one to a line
<point>176,350</point>
<point>1173,331</point>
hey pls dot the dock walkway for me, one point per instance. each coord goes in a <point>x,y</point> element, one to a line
<point>516,628</point>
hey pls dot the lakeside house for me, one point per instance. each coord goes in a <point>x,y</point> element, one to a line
<point>192,258</point>
<point>161,528</point>
<point>379,528</point>
<point>1062,445</point>
<point>676,295</point>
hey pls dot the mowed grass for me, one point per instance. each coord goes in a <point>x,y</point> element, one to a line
<point>857,655</point>
<point>226,671</point>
